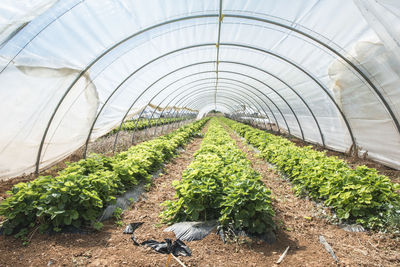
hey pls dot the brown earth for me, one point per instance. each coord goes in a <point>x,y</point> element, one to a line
<point>108,247</point>
<point>300,223</point>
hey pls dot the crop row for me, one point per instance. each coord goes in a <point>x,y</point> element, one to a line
<point>79,193</point>
<point>140,124</point>
<point>358,195</point>
<point>220,184</point>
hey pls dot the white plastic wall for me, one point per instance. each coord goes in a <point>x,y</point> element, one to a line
<point>132,53</point>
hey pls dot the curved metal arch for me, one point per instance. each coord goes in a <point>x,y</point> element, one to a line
<point>171,52</point>
<point>224,105</point>
<point>292,28</point>
<point>151,85</point>
<point>242,87</point>
<point>186,100</point>
<point>269,99</point>
<point>291,89</point>
<point>191,88</point>
<point>218,103</point>
<point>330,48</point>
<point>190,75</point>
<point>251,18</point>
<point>201,90</point>
<point>224,89</point>
<point>203,72</point>
<point>127,112</point>
<point>182,98</point>
<point>305,72</point>
<point>245,75</point>
<point>250,77</point>
<point>179,69</point>
<point>234,99</point>
<point>95,60</point>
<point>201,84</point>
<point>225,95</point>
<point>162,112</point>
<point>229,108</point>
<point>257,91</point>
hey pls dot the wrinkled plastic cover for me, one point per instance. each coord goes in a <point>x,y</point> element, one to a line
<point>68,65</point>
<point>15,14</point>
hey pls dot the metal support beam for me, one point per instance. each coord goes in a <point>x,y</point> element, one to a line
<point>178,50</point>
<point>252,18</point>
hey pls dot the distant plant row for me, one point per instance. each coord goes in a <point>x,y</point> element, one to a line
<point>140,124</point>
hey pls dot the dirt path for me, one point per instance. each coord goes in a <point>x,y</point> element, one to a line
<point>301,223</point>
<point>109,247</point>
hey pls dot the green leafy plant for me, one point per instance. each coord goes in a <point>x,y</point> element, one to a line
<point>220,184</point>
<point>117,214</point>
<point>140,124</point>
<point>80,192</point>
<point>358,195</point>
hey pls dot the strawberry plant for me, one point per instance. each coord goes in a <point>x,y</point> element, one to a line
<point>80,192</point>
<point>220,184</point>
<point>358,195</point>
<point>140,124</point>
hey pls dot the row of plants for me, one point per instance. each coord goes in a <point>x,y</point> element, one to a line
<point>141,124</point>
<point>220,184</point>
<point>359,195</point>
<point>80,192</point>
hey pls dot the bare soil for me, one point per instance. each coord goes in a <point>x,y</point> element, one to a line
<point>108,247</point>
<point>300,223</point>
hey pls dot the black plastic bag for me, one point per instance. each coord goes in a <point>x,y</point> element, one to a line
<point>177,248</point>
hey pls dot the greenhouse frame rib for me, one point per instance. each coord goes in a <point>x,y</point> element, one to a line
<point>207,62</point>
<point>134,102</point>
<point>353,66</point>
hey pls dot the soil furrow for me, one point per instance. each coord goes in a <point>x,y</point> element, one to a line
<point>108,247</point>
<point>300,223</point>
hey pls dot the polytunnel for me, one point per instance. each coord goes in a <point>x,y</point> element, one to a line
<point>325,71</point>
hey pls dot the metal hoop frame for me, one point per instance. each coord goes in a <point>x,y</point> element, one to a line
<point>253,18</point>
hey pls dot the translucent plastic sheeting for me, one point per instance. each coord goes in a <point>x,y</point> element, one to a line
<point>93,64</point>
<point>15,14</point>
<point>368,117</point>
<point>35,90</point>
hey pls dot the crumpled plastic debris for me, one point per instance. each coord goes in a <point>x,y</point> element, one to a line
<point>189,231</point>
<point>177,248</point>
<point>352,227</point>
<point>130,228</point>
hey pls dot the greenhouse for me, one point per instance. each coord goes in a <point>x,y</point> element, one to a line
<point>213,132</point>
